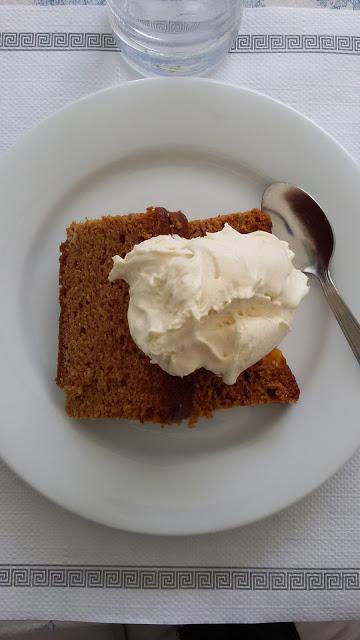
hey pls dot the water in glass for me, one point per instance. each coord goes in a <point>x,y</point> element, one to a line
<point>174,37</point>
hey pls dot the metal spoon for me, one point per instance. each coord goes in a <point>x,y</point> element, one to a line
<point>298,219</point>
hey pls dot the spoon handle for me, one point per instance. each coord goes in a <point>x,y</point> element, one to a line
<point>346,320</point>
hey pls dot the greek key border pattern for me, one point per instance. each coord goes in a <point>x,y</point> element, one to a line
<point>180,578</point>
<point>56,41</point>
<point>288,43</point>
<point>244,43</point>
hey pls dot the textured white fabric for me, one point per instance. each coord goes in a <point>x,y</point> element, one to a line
<point>319,533</point>
<point>333,4</point>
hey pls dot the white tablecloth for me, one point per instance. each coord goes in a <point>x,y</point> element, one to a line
<point>302,564</point>
<point>326,4</point>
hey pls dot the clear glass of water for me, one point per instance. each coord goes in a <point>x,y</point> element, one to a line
<point>174,37</point>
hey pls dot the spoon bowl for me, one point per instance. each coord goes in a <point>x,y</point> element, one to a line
<point>299,219</point>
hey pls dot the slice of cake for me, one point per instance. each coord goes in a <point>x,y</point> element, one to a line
<point>101,370</point>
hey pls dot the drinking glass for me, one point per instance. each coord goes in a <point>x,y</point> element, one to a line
<point>174,37</point>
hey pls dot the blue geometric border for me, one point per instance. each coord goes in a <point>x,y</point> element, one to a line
<point>244,43</point>
<point>180,578</point>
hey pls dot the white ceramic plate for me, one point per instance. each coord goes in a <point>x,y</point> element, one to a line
<point>206,148</point>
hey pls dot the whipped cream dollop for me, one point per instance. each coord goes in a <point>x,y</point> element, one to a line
<point>222,301</point>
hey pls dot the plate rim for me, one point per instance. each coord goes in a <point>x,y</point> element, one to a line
<point>26,137</point>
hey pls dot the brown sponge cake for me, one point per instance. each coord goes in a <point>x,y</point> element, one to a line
<point>101,370</point>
